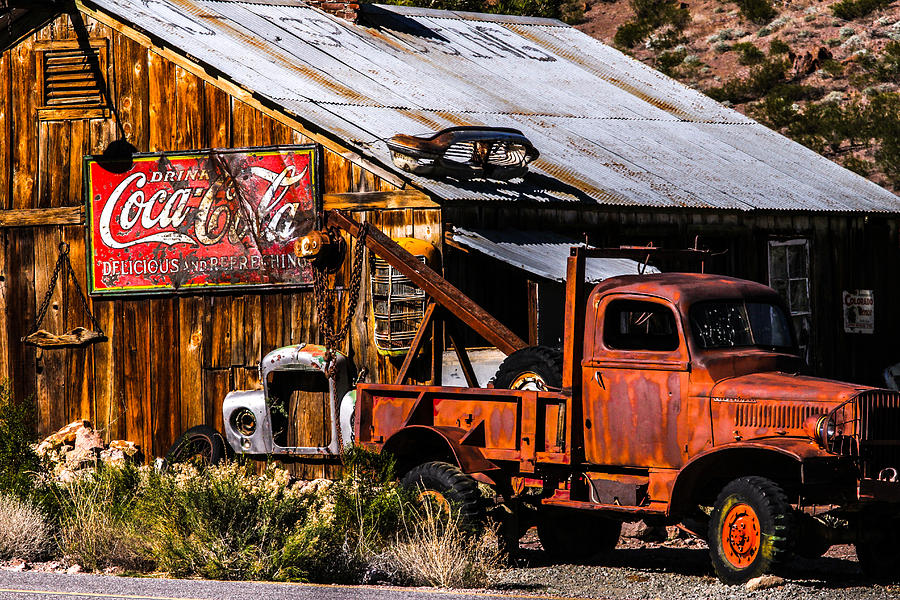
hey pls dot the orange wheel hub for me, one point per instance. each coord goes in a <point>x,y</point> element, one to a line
<point>740,535</point>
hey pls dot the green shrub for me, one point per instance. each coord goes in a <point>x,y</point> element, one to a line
<point>761,79</point>
<point>748,53</point>
<point>649,16</point>
<point>757,11</point>
<point>858,165</point>
<point>224,522</point>
<point>856,9</point>
<point>666,62</point>
<point>833,67</point>
<point>777,46</point>
<point>18,462</point>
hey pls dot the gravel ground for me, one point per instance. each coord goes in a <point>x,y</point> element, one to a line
<point>669,570</point>
<point>681,569</point>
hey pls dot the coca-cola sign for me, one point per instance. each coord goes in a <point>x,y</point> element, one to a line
<point>200,219</point>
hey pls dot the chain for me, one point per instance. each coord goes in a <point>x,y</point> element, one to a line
<point>326,299</point>
<point>325,307</point>
<point>42,311</point>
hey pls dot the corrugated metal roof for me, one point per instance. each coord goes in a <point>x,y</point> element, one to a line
<point>610,129</point>
<point>542,253</point>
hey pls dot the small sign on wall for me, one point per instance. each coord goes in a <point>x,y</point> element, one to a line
<point>186,221</point>
<point>859,311</point>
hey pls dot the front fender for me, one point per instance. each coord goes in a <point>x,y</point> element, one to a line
<point>417,444</point>
<point>777,455</point>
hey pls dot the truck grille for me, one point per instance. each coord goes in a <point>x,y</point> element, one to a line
<point>868,427</point>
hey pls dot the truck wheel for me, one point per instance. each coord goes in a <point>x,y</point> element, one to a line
<point>574,535</point>
<point>750,529</point>
<point>201,445</point>
<point>448,487</point>
<point>532,368</point>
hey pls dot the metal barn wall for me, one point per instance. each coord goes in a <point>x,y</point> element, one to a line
<point>847,252</point>
<point>169,361</point>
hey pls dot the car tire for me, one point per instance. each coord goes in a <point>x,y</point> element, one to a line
<point>202,445</point>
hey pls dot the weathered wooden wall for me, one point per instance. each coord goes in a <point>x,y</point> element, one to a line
<point>169,361</point>
<point>847,252</point>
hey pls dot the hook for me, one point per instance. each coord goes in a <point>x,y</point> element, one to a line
<point>63,248</point>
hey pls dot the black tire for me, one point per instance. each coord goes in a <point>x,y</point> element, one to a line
<point>751,529</point>
<point>877,551</point>
<point>202,445</point>
<point>448,483</point>
<point>576,535</point>
<point>535,368</point>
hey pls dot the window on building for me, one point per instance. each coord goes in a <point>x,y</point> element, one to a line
<point>70,79</point>
<point>789,276</point>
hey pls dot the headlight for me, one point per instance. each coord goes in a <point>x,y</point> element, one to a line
<point>243,421</point>
<point>821,428</point>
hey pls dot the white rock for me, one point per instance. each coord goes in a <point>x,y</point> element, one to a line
<point>764,582</point>
<point>74,570</point>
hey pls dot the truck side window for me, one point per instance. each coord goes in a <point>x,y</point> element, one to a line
<point>637,325</point>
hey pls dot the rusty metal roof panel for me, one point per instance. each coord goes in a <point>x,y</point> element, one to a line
<point>610,129</point>
<point>542,253</point>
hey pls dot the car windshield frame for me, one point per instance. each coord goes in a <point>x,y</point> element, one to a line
<point>752,328</point>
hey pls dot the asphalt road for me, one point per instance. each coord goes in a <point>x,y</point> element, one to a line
<point>33,585</point>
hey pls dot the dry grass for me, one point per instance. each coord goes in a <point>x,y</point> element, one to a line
<point>95,535</point>
<point>24,533</point>
<point>437,552</point>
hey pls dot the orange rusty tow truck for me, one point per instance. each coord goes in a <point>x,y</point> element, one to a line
<point>676,399</point>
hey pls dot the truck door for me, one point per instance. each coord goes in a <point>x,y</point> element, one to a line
<point>635,379</point>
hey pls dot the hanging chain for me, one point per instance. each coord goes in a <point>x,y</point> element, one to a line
<point>326,299</point>
<point>45,305</point>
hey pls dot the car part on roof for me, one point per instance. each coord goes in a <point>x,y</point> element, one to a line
<point>465,153</point>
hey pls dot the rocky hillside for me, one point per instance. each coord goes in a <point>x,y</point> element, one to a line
<point>824,73</point>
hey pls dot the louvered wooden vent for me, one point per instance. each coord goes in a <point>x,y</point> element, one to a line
<point>69,79</point>
<point>70,83</point>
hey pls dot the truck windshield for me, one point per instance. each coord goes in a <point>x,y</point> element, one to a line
<point>719,324</point>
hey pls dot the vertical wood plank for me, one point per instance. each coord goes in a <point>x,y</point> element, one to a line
<point>24,136</point>
<point>106,369</point>
<point>51,376</point>
<point>190,349</point>
<point>216,383</point>
<point>78,362</point>
<point>136,373</point>
<point>130,59</point>
<point>188,105</point>
<point>217,113</point>
<point>6,116</point>
<point>160,88</point>
<point>165,406</point>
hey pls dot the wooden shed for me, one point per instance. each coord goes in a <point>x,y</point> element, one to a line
<point>628,156</point>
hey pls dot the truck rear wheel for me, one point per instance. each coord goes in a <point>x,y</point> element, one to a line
<point>533,368</point>
<point>750,529</point>
<point>449,488</point>
<point>574,535</point>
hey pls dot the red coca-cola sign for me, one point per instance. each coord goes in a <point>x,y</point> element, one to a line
<point>200,219</point>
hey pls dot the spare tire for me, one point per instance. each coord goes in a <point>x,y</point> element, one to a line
<point>532,368</point>
<point>202,445</point>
